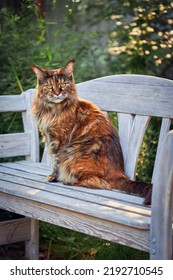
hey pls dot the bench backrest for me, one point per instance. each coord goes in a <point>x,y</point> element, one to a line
<point>24,143</point>
<point>136,98</point>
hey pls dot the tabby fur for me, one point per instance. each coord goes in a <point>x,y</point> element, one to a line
<point>83,143</point>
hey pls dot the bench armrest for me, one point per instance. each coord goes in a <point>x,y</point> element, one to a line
<point>162,203</point>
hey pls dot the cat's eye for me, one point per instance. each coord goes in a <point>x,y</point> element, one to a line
<point>49,86</point>
<point>62,85</point>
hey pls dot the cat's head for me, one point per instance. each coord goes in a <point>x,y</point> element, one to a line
<point>56,86</point>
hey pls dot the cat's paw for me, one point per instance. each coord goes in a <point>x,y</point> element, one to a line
<point>51,178</point>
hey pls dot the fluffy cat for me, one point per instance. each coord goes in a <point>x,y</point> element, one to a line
<point>83,143</point>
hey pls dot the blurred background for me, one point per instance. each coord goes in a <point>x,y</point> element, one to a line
<point>105,37</point>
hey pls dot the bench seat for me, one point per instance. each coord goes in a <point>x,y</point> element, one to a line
<point>81,207</point>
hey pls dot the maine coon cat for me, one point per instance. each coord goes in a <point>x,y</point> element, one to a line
<point>83,143</point>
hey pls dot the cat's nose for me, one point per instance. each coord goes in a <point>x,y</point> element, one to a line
<point>56,92</point>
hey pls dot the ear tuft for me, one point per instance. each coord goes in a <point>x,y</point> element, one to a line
<point>68,69</point>
<point>40,73</point>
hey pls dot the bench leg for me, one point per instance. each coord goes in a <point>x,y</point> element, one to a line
<point>32,245</point>
<point>162,204</point>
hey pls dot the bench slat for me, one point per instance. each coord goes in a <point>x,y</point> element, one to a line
<point>165,127</point>
<point>14,231</point>
<point>135,139</point>
<point>76,205</point>
<point>15,144</point>
<point>37,182</point>
<point>125,122</point>
<point>74,200</point>
<point>25,169</point>
<point>126,94</point>
<point>12,103</point>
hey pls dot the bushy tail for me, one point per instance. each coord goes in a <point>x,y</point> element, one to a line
<point>139,188</point>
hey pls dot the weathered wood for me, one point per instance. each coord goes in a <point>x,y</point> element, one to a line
<point>105,198</point>
<point>25,144</point>
<point>125,122</point>
<point>135,139</point>
<point>30,126</point>
<point>16,144</point>
<point>32,244</point>
<point>162,205</point>
<point>165,127</point>
<point>12,103</point>
<point>14,231</point>
<point>134,94</point>
<point>111,210</point>
<point>39,176</point>
<point>94,226</point>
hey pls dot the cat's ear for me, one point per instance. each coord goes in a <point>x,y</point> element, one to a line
<point>40,73</point>
<point>68,69</point>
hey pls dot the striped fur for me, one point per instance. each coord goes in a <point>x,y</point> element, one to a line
<point>82,142</point>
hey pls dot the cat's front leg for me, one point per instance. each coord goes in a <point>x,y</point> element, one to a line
<point>55,173</point>
<point>52,178</point>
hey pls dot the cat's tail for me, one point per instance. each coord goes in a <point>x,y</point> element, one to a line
<point>139,188</point>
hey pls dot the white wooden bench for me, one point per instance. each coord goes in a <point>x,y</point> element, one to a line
<point>110,215</point>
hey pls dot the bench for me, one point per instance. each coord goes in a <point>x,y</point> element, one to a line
<point>111,215</point>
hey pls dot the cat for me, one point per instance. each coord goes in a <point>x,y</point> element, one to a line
<point>82,141</point>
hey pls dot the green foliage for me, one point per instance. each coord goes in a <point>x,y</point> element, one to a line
<point>17,41</point>
<point>139,40</point>
<point>24,44</point>
<point>139,37</point>
<point>142,36</point>
<point>59,243</point>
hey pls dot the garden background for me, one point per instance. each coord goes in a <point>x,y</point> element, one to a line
<point>105,37</point>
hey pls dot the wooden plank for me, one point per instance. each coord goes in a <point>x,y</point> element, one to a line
<point>16,144</point>
<point>134,94</point>
<point>162,205</point>
<point>137,79</point>
<point>32,169</point>
<point>14,231</point>
<point>95,226</point>
<point>75,204</point>
<point>165,126</point>
<point>12,103</point>
<point>135,139</point>
<point>30,126</point>
<point>37,168</point>
<point>125,122</point>
<point>76,193</point>
<point>32,245</point>
<point>116,195</point>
